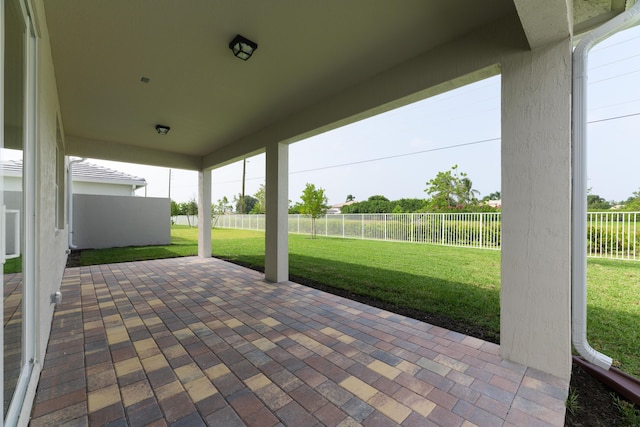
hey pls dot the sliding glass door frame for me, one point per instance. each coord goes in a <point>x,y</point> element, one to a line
<point>28,216</point>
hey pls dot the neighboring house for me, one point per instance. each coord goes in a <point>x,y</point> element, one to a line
<point>161,87</point>
<point>337,209</point>
<point>494,203</point>
<point>12,175</point>
<point>105,212</point>
<point>88,178</point>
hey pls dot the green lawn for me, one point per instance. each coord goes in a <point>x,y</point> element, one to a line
<point>459,283</point>
<point>613,311</point>
<point>13,265</point>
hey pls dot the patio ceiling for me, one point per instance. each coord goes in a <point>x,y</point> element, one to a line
<point>308,52</point>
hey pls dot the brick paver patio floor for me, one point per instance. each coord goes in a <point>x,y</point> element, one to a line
<point>202,342</point>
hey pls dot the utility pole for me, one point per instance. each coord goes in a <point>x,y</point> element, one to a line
<point>244,174</point>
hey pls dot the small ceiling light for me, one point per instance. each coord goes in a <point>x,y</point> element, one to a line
<point>242,48</point>
<point>162,129</point>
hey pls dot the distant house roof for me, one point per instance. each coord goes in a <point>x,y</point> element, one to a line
<point>336,209</point>
<point>11,168</point>
<point>89,172</point>
<point>85,172</point>
<point>340,205</point>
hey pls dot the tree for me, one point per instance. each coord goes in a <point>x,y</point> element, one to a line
<point>175,208</point>
<point>222,207</point>
<point>450,189</point>
<point>380,204</point>
<point>314,204</point>
<point>261,196</point>
<point>350,198</point>
<point>493,196</point>
<point>466,193</point>
<point>597,203</point>
<point>296,208</point>
<point>244,205</point>
<point>633,202</point>
<point>410,205</point>
<point>189,208</point>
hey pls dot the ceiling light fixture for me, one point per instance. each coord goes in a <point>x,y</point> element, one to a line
<point>162,129</point>
<point>242,48</point>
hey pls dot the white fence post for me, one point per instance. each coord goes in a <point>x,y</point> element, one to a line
<point>481,230</point>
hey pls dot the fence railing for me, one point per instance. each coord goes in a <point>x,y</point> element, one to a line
<point>614,235</point>
<point>478,230</point>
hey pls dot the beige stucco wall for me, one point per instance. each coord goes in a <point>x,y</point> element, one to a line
<point>536,209</point>
<point>50,244</point>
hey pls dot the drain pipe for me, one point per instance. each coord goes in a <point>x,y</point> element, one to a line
<point>70,199</point>
<point>579,190</point>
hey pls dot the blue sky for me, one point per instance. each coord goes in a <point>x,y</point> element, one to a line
<point>431,129</point>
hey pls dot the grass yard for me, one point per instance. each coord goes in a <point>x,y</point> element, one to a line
<point>184,242</point>
<point>613,311</point>
<point>456,283</point>
<point>13,265</point>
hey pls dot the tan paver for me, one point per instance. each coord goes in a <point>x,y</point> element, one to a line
<point>191,340</point>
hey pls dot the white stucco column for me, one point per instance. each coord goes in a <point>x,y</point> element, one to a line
<point>535,327</point>
<point>204,213</point>
<point>276,257</point>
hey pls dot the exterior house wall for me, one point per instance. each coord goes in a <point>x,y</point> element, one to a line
<point>12,183</point>
<point>119,221</point>
<point>51,243</point>
<point>81,187</point>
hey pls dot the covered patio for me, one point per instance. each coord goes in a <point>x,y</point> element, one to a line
<point>199,341</point>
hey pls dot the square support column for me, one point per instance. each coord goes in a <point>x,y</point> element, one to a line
<point>204,213</point>
<point>276,257</point>
<point>535,300</point>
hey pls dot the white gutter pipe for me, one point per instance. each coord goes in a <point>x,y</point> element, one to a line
<point>621,22</point>
<point>70,199</point>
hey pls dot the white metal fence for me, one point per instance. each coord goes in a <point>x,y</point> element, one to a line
<point>478,230</point>
<point>190,220</point>
<point>614,235</point>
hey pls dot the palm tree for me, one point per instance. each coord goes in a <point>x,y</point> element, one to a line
<point>467,194</point>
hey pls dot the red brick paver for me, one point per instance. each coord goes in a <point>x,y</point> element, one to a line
<point>191,341</point>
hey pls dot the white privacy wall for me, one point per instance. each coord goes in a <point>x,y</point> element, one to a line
<point>115,221</point>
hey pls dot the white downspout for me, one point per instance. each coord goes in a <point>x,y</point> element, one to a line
<point>70,199</point>
<point>579,189</point>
